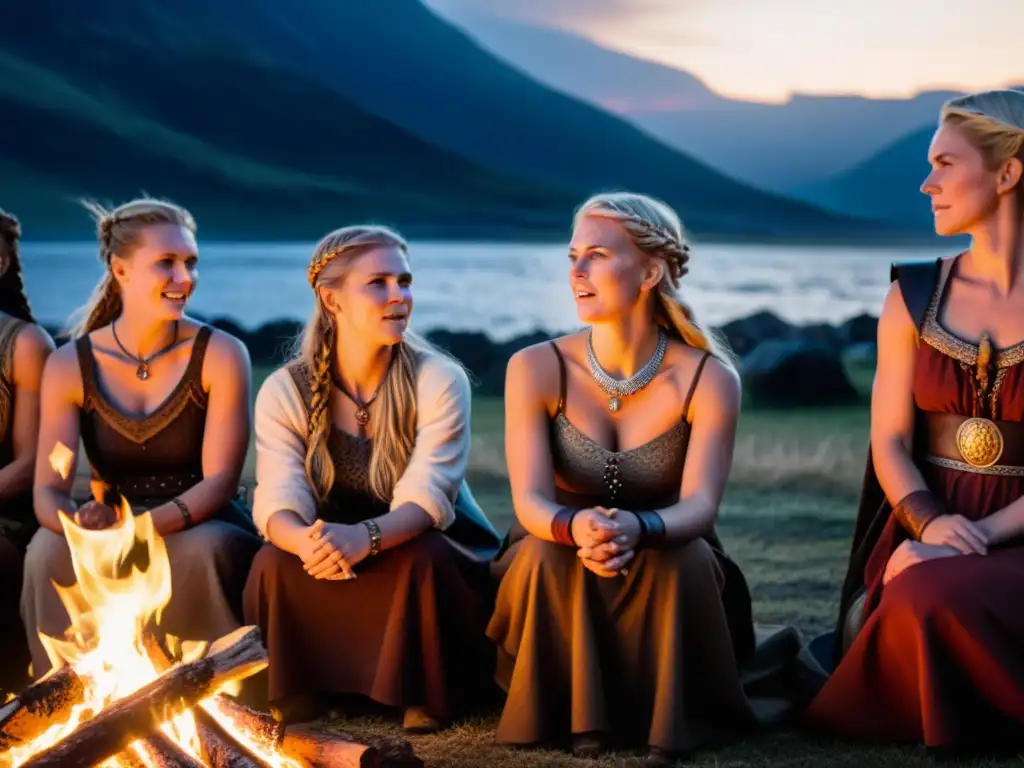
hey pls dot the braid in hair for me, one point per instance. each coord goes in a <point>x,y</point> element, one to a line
<point>13,299</point>
<point>657,232</point>
<point>319,464</point>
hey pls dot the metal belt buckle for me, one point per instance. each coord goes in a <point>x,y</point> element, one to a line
<point>980,442</point>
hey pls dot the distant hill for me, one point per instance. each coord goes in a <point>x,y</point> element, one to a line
<point>886,186</point>
<point>288,118</point>
<point>775,146</point>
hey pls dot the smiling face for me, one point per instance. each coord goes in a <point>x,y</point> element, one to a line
<point>963,190</point>
<point>160,274</point>
<point>369,294</point>
<point>607,272</point>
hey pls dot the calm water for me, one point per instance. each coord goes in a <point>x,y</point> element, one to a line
<point>502,289</point>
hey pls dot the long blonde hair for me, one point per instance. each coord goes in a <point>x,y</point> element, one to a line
<point>393,420</point>
<point>657,232</point>
<point>118,232</point>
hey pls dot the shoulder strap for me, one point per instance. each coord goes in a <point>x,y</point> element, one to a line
<point>693,384</point>
<point>194,372</point>
<point>87,365</point>
<point>918,280</point>
<point>561,376</point>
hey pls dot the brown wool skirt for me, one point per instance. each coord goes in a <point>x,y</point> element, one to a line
<point>14,653</point>
<point>646,658</point>
<point>408,631</point>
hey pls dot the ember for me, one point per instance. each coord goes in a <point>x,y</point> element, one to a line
<point>117,698</point>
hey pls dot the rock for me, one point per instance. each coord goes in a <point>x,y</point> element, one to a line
<point>862,328</point>
<point>745,333</point>
<point>795,373</point>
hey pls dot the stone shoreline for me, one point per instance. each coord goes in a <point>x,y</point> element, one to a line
<point>782,364</point>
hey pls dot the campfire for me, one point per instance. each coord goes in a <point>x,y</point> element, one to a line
<point>121,694</point>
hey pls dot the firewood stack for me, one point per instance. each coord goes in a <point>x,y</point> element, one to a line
<point>232,735</point>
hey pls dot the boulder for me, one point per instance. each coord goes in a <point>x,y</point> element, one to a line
<point>745,333</point>
<point>796,373</point>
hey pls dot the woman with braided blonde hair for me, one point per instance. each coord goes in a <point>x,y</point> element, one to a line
<point>24,347</point>
<point>368,586</point>
<point>161,404</point>
<point>620,621</point>
<point>930,632</point>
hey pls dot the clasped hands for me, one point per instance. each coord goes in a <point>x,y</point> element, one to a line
<point>606,539</point>
<point>945,536</point>
<point>331,550</point>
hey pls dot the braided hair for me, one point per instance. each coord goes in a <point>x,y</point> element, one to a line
<point>13,299</point>
<point>118,232</point>
<point>393,420</point>
<point>657,232</point>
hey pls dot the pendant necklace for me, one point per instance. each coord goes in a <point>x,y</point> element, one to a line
<point>362,408</point>
<point>619,388</point>
<point>142,363</point>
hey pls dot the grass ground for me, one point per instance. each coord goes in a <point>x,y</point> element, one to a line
<point>786,519</point>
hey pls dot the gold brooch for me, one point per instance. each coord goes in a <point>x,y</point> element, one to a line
<point>980,442</point>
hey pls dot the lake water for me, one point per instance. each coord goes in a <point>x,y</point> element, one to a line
<point>503,289</point>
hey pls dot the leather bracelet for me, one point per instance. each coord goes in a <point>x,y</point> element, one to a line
<point>561,526</point>
<point>185,513</point>
<point>916,510</point>
<point>652,529</point>
<point>375,537</point>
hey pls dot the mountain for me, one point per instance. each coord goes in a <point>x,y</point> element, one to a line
<point>887,186</point>
<point>227,134</point>
<point>265,118</point>
<point>774,146</point>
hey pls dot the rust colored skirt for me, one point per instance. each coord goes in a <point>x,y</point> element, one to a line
<point>939,661</point>
<point>409,631</point>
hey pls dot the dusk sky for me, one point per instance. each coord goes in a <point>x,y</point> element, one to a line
<point>766,49</point>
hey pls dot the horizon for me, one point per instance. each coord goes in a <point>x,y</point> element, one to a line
<point>886,50</point>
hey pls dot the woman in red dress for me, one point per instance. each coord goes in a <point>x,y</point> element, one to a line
<point>931,630</point>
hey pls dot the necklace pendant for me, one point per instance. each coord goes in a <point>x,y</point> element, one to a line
<point>614,404</point>
<point>142,371</point>
<point>362,416</point>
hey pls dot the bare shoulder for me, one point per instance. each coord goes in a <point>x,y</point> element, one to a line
<point>224,349</point>
<point>715,383</point>
<point>33,343</point>
<point>536,368</point>
<point>62,374</point>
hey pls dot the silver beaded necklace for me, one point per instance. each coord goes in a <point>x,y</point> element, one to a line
<point>619,388</point>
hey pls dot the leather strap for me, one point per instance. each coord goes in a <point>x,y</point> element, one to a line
<point>917,280</point>
<point>937,437</point>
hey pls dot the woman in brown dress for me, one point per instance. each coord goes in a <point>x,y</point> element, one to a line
<point>161,404</point>
<point>362,444</point>
<point>931,631</point>
<point>24,347</point>
<point>620,621</point>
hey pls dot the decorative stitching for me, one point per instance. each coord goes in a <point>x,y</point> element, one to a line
<point>936,336</point>
<point>144,429</point>
<point>1002,470</point>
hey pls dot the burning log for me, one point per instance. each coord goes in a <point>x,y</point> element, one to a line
<point>234,657</point>
<point>309,747</point>
<point>220,750</point>
<point>42,704</point>
<point>158,751</point>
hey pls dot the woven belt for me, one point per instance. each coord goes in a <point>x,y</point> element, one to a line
<point>971,443</point>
